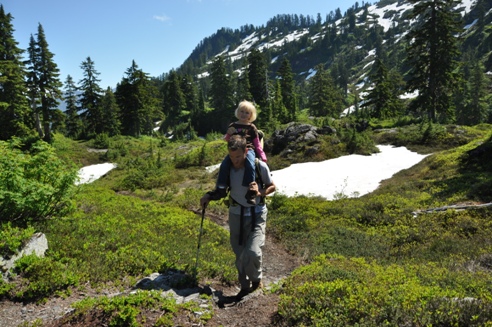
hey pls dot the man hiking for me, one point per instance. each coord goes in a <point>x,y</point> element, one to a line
<point>247,222</point>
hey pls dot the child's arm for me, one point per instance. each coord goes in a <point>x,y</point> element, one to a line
<point>230,131</point>
<point>258,149</point>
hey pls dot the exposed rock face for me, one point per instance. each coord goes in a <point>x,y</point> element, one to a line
<point>37,244</point>
<point>165,282</point>
<point>296,135</point>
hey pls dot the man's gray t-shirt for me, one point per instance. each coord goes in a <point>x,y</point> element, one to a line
<point>238,191</point>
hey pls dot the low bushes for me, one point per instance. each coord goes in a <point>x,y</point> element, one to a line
<point>137,310</point>
<point>113,236</point>
<point>339,291</point>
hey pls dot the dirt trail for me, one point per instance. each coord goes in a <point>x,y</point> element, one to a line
<point>257,311</point>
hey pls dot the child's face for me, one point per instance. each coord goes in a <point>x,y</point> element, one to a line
<point>244,115</point>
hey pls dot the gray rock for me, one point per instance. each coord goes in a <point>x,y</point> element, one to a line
<point>37,244</point>
<point>295,136</point>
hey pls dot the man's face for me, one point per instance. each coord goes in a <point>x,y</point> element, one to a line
<point>238,157</point>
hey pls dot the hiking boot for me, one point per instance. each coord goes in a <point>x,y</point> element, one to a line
<point>251,197</point>
<point>256,286</point>
<point>241,294</point>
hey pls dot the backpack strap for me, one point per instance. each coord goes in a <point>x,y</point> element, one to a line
<point>258,180</point>
<point>241,222</point>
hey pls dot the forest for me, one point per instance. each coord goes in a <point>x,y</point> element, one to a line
<point>444,68</point>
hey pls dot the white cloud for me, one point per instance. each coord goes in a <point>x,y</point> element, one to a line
<point>162,18</point>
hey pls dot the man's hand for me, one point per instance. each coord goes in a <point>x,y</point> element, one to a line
<point>204,201</point>
<point>253,186</point>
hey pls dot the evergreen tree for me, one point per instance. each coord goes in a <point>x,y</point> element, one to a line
<point>462,96</point>
<point>303,91</point>
<point>340,73</point>
<point>49,82</point>
<point>15,114</point>
<point>325,99</point>
<point>135,97</point>
<point>201,101</point>
<point>90,98</point>
<point>379,97</point>
<point>58,121</point>
<point>191,95</point>
<point>383,99</point>
<point>110,113</point>
<point>190,92</point>
<point>338,14</point>
<point>174,101</point>
<point>279,112</point>
<point>33,83</point>
<point>287,86</point>
<point>198,121</point>
<point>243,87</point>
<point>258,77</point>
<point>221,95</point>
<point>471,106</point>
<point>432,54</point>
<point>73,123</point>
<point>478,105</point>
<point>355,101</point>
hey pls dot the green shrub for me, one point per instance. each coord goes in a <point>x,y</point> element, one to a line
<point>5,288</point>
<point>130,310</point>
<point>13,238</point>
<point>101,141</point>
<point>360,143</point>
<point>40,278</point>
<point>116,150</point>
<point>34,185</point>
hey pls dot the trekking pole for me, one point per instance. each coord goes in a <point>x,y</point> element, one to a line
<point>199,244</point>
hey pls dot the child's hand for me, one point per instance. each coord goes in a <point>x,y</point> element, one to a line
<point>231,130</point>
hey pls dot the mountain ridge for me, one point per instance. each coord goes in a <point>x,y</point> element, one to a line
<point>305,42</point>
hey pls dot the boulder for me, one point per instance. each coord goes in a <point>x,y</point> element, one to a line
<point>294,137</point>
<point>37,244</point>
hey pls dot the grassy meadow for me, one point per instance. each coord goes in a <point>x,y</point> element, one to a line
<point>371,261</point>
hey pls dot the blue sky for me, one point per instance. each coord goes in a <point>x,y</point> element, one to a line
<point>158,34</point>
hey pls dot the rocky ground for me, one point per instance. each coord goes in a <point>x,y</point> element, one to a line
<point>259,310</point>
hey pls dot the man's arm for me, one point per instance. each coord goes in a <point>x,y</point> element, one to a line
<point>216,194</point>
<point>269,189</point>
<point>266,179</point>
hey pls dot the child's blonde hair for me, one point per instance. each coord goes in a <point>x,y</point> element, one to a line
<point>248,106</point>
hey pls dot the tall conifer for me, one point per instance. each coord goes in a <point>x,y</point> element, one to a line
<point>73,123</point>
<point>174,101</point>
<point>221,94</point>
<point>50,84</point>
<point>432,56</point>
<point>15,114</point>
<point>258,77</point>
<point>325,99</point>
<point>136,100</point>
<point>287,87</point>
<point>89,99</point>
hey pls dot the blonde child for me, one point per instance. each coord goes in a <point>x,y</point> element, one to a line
<point>246,115</point>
